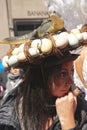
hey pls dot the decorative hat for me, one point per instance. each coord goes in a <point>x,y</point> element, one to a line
<point>38,48</point>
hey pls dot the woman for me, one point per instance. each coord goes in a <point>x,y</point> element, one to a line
<point>13,77</point>
<point>8,113</point>
<point>47,100</point>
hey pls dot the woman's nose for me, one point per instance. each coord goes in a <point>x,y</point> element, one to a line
<point>69,80</point>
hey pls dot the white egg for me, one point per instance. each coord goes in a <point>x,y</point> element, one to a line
<point>75,31</point>
<point>55,37</point>
<point>21,56</point>
<point>34,52</point>
<point>73,41</point>
<point>62,40</point>
<point>36,43</point>
<point>15,51</point>
<point>21,48</point>
<point>12,60</point>
<point>46,46</point>
<point>84,34</point>
<point>79,37</point>
<point>5,61</point>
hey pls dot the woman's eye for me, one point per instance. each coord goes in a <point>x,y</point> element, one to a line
<point>63,74</point>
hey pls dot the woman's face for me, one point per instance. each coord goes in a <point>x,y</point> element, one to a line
<point>60,80</point>
<point>15,70</point>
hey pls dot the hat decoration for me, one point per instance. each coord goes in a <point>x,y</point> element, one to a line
<point>35,49</point>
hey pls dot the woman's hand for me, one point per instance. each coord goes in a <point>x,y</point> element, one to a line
<point>65,107</point>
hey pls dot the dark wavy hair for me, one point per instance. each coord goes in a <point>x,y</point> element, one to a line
<point>36,101</point>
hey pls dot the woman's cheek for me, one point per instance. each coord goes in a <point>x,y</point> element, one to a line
<point>54,90</point>
<point>59,91</point>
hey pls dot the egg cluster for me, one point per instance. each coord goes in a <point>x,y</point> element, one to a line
<point>45,46</point>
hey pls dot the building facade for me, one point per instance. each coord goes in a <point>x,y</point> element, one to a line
<point>19,17</point>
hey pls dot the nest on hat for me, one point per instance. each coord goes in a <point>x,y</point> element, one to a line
<point>36,50</point>
<point>54,42</point>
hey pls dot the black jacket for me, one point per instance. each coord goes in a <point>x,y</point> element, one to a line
<point>8,112</point>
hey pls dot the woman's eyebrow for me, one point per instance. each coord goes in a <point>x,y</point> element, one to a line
<point>64,69</point>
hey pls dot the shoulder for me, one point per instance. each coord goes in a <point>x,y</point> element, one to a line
<point>81,112</point>
<point>82,103</point>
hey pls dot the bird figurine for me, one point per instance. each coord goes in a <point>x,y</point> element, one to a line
<point>51,25</point>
